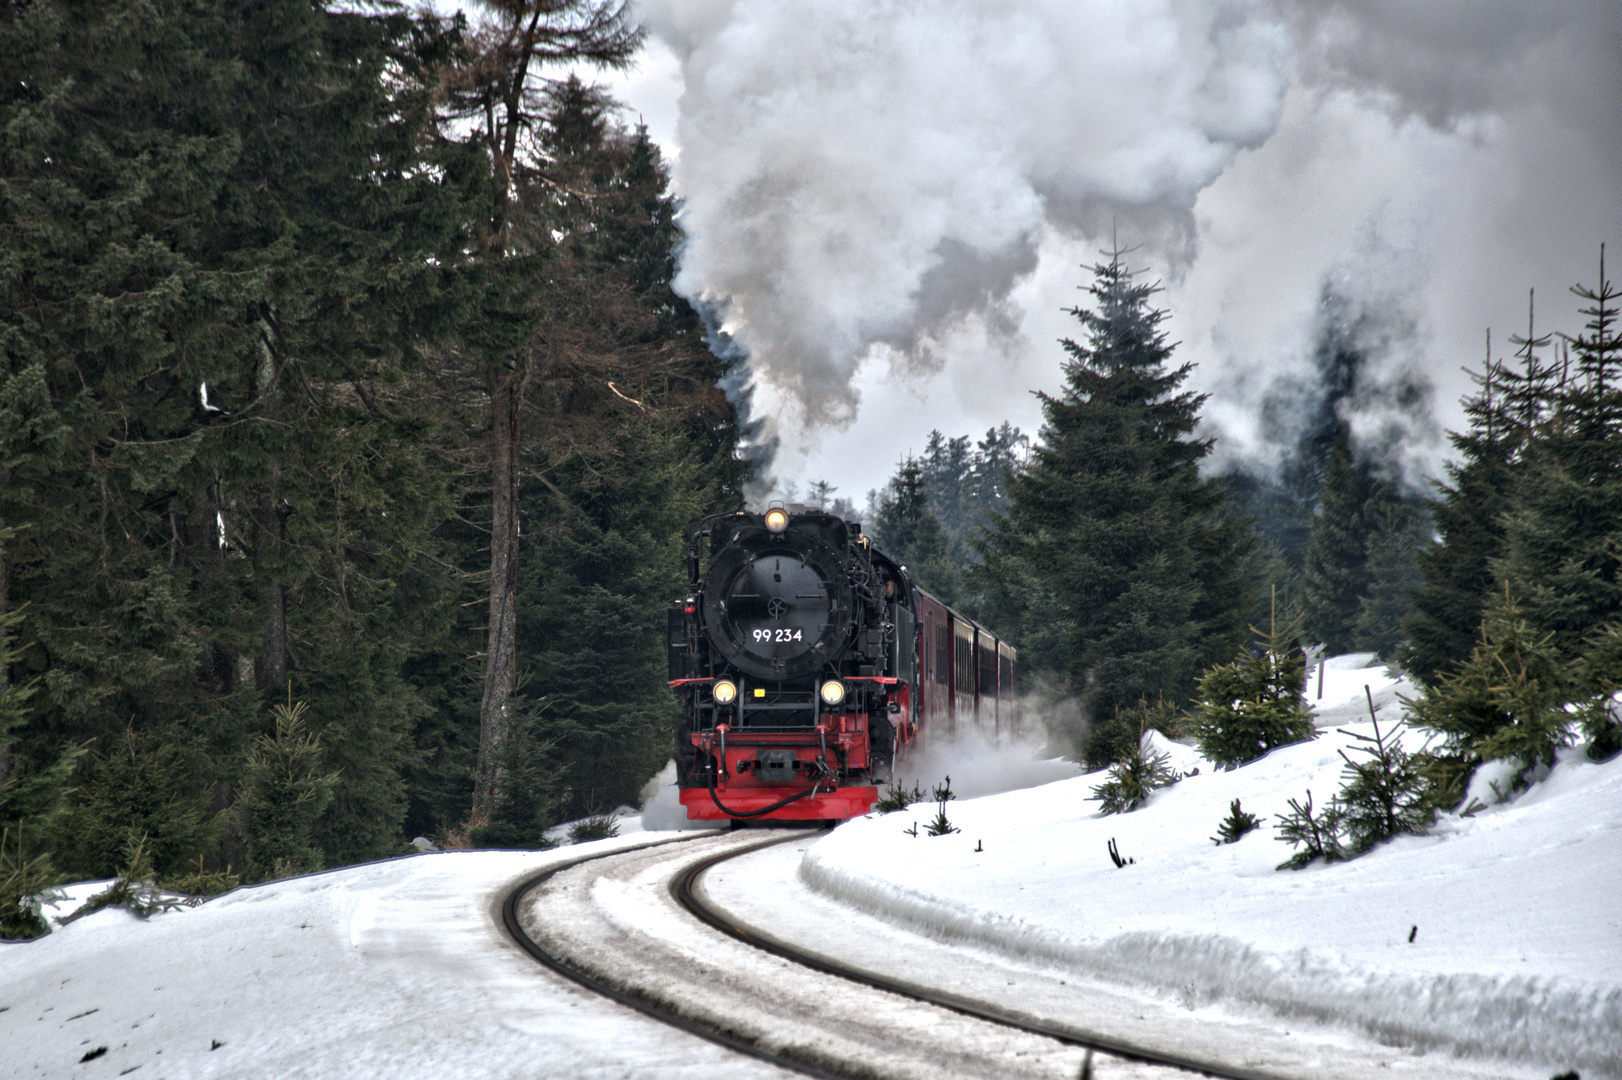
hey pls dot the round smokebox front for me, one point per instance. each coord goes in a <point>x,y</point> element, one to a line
<point>777,609</point>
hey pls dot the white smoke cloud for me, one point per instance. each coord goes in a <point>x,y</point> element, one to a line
<point>858,172</point>
<point>1431,164</point>
<point>891,199</point>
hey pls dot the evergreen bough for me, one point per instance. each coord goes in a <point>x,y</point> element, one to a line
<point>135,889</point>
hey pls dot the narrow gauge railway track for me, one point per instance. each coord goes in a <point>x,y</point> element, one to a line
<point>750,1031</point>
<point>689,895</point>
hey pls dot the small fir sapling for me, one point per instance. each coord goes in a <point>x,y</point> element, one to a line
<point>1385,793</point>
<point>1236,824</point>
<point>1109,741</point>
<point>1132,779</point>
<point>135,889</point>
<point>1255,703</point>
<point>595,827</point>
<point>26,881</point>
<point>940,826</point>
<point>1316,834</point>
<point>285,790</point>
<point>1507,701</point>
<point>896,797</point>
<point>1600,674</point>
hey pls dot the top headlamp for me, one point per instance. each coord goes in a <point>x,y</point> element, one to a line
<point>776,520</point>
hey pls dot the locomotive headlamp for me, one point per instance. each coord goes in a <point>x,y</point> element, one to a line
<point>776,519</point>
<point>833,692</point>
<point>725,691</point>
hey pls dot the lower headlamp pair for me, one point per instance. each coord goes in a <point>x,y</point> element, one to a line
<point>725,692</point>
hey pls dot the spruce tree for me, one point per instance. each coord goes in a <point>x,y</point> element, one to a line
<point>1335,576</point>
<point>1456,568</point>
<point>1111,511</point>
<point>1360,563</point>
<point>229,244</point>
<point>905,526</point>
<point>284,793</point>
<point>1508,700</point>
<point>498,102</point>
<point>1563,534</point>
<point>1393,548</point>
<point>631,442</point>
<point>1256,702</point>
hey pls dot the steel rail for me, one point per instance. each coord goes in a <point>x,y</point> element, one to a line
<point>684,888</point>
<point>631,997</point>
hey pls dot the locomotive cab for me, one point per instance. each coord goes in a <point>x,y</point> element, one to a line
<point>794,657</point>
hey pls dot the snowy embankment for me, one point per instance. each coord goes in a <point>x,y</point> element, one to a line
<point>1498,934</point>
<point>394,969</point>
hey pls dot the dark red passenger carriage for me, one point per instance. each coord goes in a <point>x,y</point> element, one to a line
<point>806,662</point>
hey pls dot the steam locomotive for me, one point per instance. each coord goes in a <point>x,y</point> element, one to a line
<point>806,662</point>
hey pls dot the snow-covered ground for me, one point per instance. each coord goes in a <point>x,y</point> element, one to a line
<point>396,969</point>
<point>1497,934</point>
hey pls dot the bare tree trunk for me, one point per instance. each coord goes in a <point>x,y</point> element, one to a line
<point>270,667</point>
<point>5,668</point>
<point>501,656</point>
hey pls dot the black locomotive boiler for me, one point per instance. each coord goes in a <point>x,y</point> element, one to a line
<point>806,661</point>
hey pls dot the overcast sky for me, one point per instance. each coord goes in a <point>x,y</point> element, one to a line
<point>892,201</point>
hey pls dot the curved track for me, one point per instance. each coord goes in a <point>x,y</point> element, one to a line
<point>686,892</point>
<point>621,925</point>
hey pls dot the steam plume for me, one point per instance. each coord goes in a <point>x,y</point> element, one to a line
<point>911,185</point>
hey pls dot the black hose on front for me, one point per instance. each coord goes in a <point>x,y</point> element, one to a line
<point>710,773</point>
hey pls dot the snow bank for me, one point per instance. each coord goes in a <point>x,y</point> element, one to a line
<point>1497,934</point>
<point>397,969</point>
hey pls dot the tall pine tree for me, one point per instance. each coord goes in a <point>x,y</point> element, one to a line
<point>227,243</point>
<point>1563,537</point>
<point>906,526</point>
<point>1456,568</point>
<point>1142,567</point>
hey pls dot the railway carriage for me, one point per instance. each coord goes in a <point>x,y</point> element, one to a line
<point>807,663</point>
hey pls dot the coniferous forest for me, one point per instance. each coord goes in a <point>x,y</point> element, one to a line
<point>351,433</point>
<point>1151,595</point>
